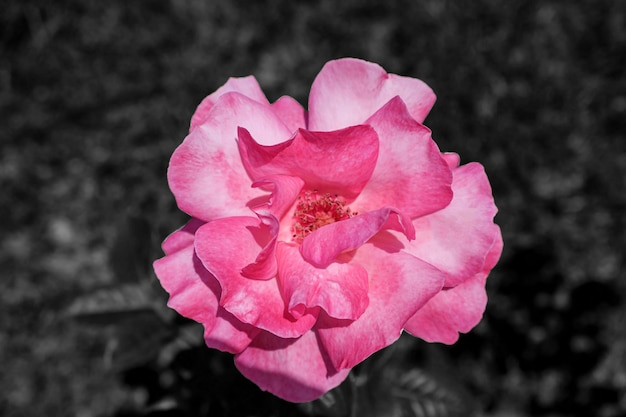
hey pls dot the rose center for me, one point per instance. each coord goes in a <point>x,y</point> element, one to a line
<point>314,210</point>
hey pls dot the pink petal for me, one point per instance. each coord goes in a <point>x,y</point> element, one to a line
<point>456,309</point>
<point>348,91</point>
<point>321,247</point>
<point>339,162</point>
<point>181,238</point>
<point>452,159</point>
<point>264,266</point>
<point>248,86</point>
<point>451,311</point>
<point>410,174</point>
<point>295,370</point>
<point>194,294</point>
<point>399,285</point>
<point>458,238</point>
<point>285,190</point>
<point>291,113</point>
<point>225,246</point>
<point>494,253</point>
<point>205,173</point>
<point>340,289</point>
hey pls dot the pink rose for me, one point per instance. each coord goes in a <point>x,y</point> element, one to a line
<point>317,237</point>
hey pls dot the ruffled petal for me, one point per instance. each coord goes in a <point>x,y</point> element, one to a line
<point>399,285</point>
<point>285,190</point>
<point>181,238</point>
<point>339,162</point>
<point>321,247</point>
<point>458,238</point>
<point>205,174</point>
<point>452,159</point>
<point>410,175</point>
<point>455,310</point>
<point>495,252</point>
<point>248,86</point>
<point>348,91</point>
<point>225,246</point>
<point>291,113</point>
<point>340,289</point>
<point>296,370</point>
<point>194,293</point>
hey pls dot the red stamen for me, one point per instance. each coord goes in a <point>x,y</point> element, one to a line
<point>315,210</point>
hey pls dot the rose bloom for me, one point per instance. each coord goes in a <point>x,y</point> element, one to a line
<point>317,237</point>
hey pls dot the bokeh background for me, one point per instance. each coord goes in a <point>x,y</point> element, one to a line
<point>95,96</point>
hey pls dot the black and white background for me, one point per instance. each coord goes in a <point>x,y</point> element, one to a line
<point>95,96</point>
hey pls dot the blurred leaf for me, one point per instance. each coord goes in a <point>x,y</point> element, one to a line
<point>391,384</point>
<point>336,403</point>
<point>110,305</point>
<point>188,336</point>
<point>135,330</point>
<point>418,394</point>
<point>129,255</point>
<point>137,340</point>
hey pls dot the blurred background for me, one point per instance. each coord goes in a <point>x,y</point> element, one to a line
<point>95,96</point>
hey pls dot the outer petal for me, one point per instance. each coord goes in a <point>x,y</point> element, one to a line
<point>248,86</point>
<point>458,238</point>
<point>456,309</point>
<point>340,289</point>
<point>452,159</point>
<point>410,175</point>
<point>399,285</point>
<point>225,246</point>
<point>348,91</point>
<point>285,191</point>
<point>291,113</point>
<point>335,162</point>
<point>194,293</point>
<point>295,370</point>
<point>205,173</point>
<point>181,238</point>
<point>321,247</point>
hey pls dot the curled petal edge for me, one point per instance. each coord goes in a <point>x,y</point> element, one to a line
<point>321,247</point>
<point>285,190</point>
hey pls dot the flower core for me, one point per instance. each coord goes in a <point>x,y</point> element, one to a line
<point>314,210</point>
